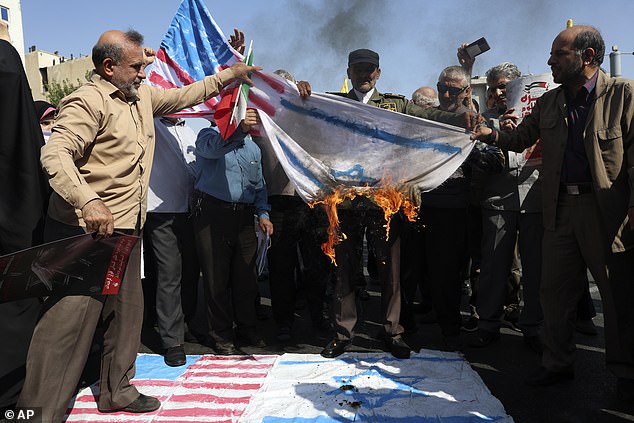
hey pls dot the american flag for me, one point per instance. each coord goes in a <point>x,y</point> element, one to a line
<point>431,386</point>
<point>207,389</point>
<point>193,47</point>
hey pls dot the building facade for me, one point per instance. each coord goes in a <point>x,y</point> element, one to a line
<point>44,68</point>
<point>11,12</point>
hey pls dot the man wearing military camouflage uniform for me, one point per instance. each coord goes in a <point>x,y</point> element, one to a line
<point>361,215</point>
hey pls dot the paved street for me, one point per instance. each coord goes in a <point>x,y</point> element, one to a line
<point>503,366</point>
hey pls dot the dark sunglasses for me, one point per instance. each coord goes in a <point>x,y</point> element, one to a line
<point>442,88</point>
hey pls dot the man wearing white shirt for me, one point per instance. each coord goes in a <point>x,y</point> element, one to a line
<point>171,264</point>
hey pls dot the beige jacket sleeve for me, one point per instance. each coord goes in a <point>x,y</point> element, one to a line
<point>175,99</point>
<point>76,128</point>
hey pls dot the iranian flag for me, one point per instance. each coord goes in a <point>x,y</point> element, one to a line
<point>233,108</point>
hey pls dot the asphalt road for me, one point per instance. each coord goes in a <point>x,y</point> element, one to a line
<point>503,366</point>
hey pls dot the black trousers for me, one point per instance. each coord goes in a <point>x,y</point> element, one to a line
<point>297,228</point>
<point>445,244</point>
<point>226,244</point>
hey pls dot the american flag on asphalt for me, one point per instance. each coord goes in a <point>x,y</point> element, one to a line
<point>432,386</point>
<point>207,389</point>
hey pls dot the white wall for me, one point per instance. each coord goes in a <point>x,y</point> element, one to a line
<point>15,24</point>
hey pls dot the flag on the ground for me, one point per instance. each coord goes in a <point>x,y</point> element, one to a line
<point>207,389</point>
<point>193,47</point>
<point>431,386</point>
<point>232,108</point>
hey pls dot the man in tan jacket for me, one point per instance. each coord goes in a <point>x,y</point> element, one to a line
<point>586,128</point>
<point>99,160</point>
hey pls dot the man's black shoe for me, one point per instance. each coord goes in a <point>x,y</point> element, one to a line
<point>143,404</point>
<point>175,356</point>
<point>335,348</point>
<point>227,348</point>
<point>485,338</point>
<point>397,346</point>
<point>544,377</point>
<point>533,342</point>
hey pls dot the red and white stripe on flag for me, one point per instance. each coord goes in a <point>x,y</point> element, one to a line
<point>212,389</point>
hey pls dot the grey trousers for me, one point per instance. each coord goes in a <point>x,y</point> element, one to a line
<point>169,248</point>
<point>499,234</point>
<point>63,336</point>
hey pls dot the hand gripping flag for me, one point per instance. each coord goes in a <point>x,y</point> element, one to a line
<point>232,108</point>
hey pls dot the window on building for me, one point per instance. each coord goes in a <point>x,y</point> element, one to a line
<point>44,76</point>
<point>4,13</point>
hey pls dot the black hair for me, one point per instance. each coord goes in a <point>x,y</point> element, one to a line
<point>590,38</point>
<point>101,51</point>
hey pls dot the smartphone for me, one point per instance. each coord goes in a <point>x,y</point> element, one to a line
<point>477,47</point>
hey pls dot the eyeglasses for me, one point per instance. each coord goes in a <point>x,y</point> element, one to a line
<point>442,88</point>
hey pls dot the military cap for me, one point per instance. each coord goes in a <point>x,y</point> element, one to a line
<point>363,55</point>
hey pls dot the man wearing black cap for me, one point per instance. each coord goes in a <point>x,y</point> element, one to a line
<point>361,215</point>
<point>364,72</point>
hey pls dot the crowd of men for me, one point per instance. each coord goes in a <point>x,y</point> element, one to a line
<point>116,162</point>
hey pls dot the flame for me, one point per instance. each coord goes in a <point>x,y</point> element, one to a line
<point>330,202</point>
<point>388,198</point>
<point>391,201</point>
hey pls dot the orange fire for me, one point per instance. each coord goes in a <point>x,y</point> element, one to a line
<point>389,199</point>
<point>330,202</point>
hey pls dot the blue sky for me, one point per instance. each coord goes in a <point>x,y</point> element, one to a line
<point>415,38</point>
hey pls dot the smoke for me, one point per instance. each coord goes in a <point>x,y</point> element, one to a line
<point>312,41</point>
<point>415,39</point>
<point>349,25</point>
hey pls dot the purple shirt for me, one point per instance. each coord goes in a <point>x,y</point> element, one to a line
<point>576,169</point>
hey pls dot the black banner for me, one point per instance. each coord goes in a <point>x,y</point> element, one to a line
<point>79,265</point>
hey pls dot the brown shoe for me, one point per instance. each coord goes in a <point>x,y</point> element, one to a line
<point>143,404</point>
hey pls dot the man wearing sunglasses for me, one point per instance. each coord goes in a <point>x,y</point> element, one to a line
<point>441,246</point>
<point>454,91</point>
